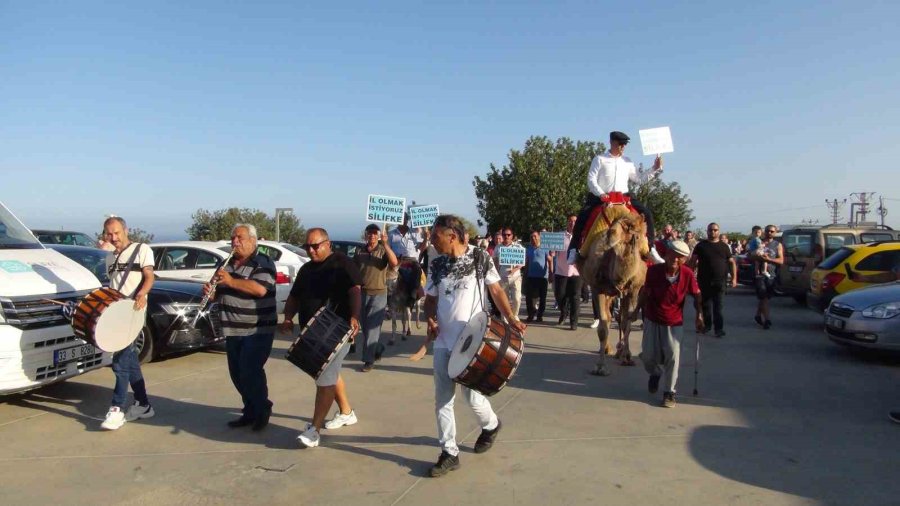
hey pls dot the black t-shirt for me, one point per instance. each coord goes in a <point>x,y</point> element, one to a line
<point>712,262</point>
<point>324,282</point>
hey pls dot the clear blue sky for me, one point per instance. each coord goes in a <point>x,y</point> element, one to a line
<point>153,110</point>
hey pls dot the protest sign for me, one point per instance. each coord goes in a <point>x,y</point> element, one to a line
<point>385,209</point>
<point>511,255</point>
<point>553,241</point>
<point>423,216</point>
<point>655,141</point>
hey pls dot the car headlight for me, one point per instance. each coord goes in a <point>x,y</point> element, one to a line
<point>882,311</point>
<point>182,309</point>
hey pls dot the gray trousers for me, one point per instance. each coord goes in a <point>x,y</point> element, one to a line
<point>372,318</point>
<point>445,394</point>
<point>660,352</point>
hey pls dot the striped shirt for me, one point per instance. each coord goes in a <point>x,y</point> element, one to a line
<point>244,314</point>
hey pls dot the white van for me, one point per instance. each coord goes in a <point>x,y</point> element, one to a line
<point>37,345</point>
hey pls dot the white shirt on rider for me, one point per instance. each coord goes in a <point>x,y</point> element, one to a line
<point>610,173</point>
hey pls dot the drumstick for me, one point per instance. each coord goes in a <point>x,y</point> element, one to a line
<point>419,355</point>
<point>58,303</point>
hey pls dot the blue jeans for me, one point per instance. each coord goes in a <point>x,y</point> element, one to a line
<point>246,357</point>
<point>445,394</point>
<point>127,368</point>
<point>372,318</point>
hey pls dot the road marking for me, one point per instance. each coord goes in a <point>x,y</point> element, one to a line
<point>562,382</point>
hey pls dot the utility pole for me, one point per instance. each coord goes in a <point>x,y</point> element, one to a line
<point>278,211</point>
<point>882,211</point>
<point>835,207</point>
<point>863,204</point>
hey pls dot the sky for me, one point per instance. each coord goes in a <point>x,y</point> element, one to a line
<point>154,110</point>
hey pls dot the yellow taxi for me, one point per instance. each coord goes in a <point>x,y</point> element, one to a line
<point>852,267</point>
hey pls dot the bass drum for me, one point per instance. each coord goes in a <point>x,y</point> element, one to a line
<point>319,342</point>
<point>107,319</point>
<point>486,355</point>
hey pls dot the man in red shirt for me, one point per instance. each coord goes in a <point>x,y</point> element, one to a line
<point>662,299</point>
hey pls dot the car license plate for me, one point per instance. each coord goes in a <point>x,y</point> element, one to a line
<point>795,268</point>
<point>74,353</point>
<point>834,322</point>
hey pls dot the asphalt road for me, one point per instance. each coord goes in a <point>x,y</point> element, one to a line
<point>783,417</point>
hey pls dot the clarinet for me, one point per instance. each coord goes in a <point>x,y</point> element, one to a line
<point>213,282</point>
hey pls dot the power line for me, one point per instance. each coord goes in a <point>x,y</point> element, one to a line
<point>757,213</point>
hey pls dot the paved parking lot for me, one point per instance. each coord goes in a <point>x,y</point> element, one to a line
<point>783,417</point>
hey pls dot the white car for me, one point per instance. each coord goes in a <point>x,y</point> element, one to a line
<point>283,254</point>
<point>198,261</point>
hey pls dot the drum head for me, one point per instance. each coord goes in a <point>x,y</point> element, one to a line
<point>119,325</point>
<point>468,343</point>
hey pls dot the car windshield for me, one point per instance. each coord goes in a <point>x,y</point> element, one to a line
<point>835,259</point>
<point>69,238</point>
<point>93,260</point>
<point>13,234</point>
<point>293,249</point>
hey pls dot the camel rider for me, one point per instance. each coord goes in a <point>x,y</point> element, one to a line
<point>611,172</point>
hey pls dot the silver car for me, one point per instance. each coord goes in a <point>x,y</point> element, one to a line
<point>866,318</point>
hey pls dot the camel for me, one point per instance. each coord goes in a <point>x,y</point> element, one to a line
<point>612,264</point>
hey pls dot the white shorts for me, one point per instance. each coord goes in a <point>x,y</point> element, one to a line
<point>330,375</point>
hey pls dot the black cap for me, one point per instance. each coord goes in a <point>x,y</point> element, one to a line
<point>619,137</point>
<point>372,228</point>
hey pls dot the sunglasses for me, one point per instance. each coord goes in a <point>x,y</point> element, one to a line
<point>770,231</point>
<point>313,246</point>
<point>713,230</point>
<point>507,235</point>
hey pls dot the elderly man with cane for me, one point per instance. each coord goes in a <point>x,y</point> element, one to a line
<point>662,298</point>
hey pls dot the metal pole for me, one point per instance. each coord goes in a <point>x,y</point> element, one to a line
<point>278,211</point>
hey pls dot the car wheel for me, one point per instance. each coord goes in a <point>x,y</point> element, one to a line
<point>143,344</point>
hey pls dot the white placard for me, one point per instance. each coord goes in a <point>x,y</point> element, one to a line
<point>511,255</point>
<point>553,241</point>
<point>384,209</point>
<point>423,216</point>
<point>655,141</point>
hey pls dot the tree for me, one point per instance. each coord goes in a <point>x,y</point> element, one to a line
<point>539,186</point>
<point>666,202</point>
<point>217,225</point>
<point>135,234</point>
<point>471,229</point>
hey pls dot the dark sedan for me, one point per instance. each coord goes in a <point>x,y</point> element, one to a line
<point>171,305</point>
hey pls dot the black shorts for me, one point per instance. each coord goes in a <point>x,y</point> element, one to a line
<point>765,287</point>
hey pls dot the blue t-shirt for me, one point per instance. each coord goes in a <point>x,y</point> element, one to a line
<point>753,244</point>
<point>536,261</point>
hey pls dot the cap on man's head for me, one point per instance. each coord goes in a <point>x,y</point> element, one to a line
<point>680,248</point>
<point>372,228</point>
<point>619,137</point>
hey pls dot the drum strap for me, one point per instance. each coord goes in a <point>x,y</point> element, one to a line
<point>126,272</point>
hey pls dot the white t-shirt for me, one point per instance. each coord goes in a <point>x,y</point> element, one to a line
<point>460,294</point>
<point>124,269</point>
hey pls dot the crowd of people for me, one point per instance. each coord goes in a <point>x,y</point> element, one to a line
<point>463,277</point>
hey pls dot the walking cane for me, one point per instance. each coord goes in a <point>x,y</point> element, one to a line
<point>696,364</point>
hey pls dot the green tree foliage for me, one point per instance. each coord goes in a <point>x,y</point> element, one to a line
<point>538,187</point>
<point>135,234</point>
<point>666,202</point>
<point>470,228</point>
<point>217,225</point>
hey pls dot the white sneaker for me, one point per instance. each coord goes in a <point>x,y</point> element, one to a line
<point>340,420</point>
<point>136,412</point>
<point>654,255</point>
<point>309,438</point>
<point>595,324</point>
<point>115,419</point>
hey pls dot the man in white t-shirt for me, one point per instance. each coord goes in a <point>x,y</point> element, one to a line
<point>510,275</point>
<point>458,281</point>
<point>130,270</point>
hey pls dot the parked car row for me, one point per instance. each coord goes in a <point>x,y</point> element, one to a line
<point>171,305</point>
